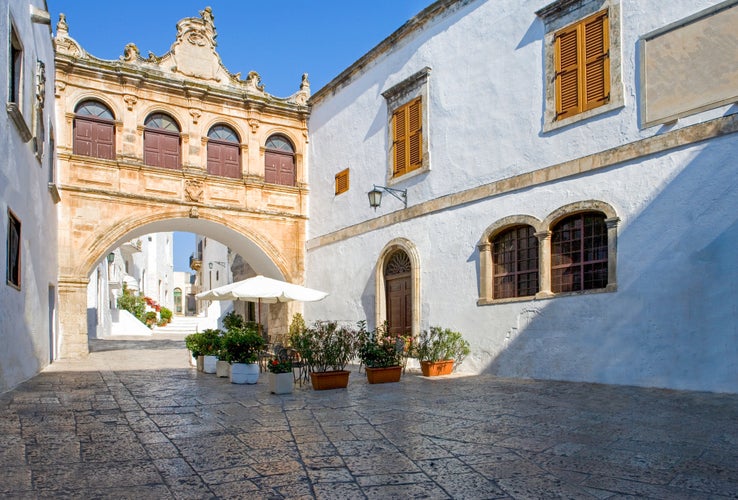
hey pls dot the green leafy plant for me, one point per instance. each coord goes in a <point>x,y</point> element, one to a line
<point>242,345</point>
<point>379,349</point>
<point>280,365</point>
<point>297,327</point>
<point>326,345</point>
<point>165,315</point>
<point>438,344</point>
<point>134,304</point>
<point>233,320</point>
<point>205,343</point>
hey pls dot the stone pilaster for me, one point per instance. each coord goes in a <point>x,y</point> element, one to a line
<point>73,317</point>
<point>544,267</point>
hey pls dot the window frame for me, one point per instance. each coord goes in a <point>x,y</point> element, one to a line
<point>577,245</point>
<point>96,122</point>
<point>279,153</point>
<point>14,255</point>
<point>149,132</point>
<point>16,96</point>
<point>560,16</point>
<point>400,97</point>
<point>224,145</point>
<point>514,262</point>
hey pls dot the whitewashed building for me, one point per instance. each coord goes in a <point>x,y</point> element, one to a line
<point>569,171</point>
<point>28,193</point>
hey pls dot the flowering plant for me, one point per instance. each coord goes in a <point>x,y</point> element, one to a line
<point>280,365</point>
<point>380,349</point>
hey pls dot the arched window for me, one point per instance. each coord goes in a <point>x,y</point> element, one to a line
<point>398,288</point>
<point>224,153</point>
<point>161,141</point>
<point>515,263</point>
<point>579,253</point>
<point>279,161</point>
<point>94,130</point>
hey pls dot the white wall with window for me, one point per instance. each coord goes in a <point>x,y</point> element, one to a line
<point>633,226</point>
<point>28,215</point>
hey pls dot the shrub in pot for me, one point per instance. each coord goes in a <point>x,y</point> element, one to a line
<point>439,350</point>
<point>281,379</point>
<point>326,347</point>
<point>205,346</point>
<point>381,354</point>
<point>241,347</point>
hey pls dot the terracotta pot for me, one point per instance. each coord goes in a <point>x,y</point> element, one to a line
<point>435,368</point>
<point>208,364</point>
<point>200,363</point>
<point>244,373</point>
<point>383,375</point>
<point>223,368</point>
<point>329,380</point>
<point>281,383</point>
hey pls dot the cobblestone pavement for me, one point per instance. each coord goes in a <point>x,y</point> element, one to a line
<point>134,421</point>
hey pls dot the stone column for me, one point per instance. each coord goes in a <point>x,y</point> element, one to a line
<point>73,317</point>
<point>544,264</point>
<point>485,272</point>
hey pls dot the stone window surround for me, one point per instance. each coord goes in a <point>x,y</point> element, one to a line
<point>416,85</point>
<point>543,232</point>
<point>563,13</point>
<point>14,104</point>
<point>380,298</point>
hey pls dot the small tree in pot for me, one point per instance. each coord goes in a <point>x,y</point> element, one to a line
<point>381,354</point>
<point>439,350</point>
<point>241,347</point>
<point>326,347</point>
<point>205,346</point>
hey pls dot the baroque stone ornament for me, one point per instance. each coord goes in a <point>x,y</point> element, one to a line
<point>130,53</point>
<point>194,190</point>
<point>193,54</point>
<point>130,101</point>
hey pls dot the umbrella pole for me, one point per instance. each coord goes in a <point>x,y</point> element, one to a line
<point>258,315</point>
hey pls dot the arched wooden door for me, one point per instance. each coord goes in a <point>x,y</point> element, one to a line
<point>398,288</point>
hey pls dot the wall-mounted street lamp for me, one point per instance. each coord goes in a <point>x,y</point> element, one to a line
<point>111,257</point>
<point>210,264</point>
<point>375,195</point>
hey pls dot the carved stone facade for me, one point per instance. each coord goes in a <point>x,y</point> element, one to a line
<point>106,201</point>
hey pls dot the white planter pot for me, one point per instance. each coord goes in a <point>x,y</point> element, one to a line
<point>223,368</point>
<point>244,373</point>
<point>193,359</point>
<point>281,383</point>
<point>208,364</point>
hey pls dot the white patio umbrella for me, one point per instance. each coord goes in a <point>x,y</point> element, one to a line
<point>262,289</point>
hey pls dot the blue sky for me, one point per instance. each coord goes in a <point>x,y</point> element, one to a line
<point>279,40</point>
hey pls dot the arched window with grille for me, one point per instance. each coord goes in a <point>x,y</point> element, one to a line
<point>161,142</point>
<point>579,255</point>
<point>279,161</point>
<point>224,152</point>
<point>515,263</point>
<point>94,130</point>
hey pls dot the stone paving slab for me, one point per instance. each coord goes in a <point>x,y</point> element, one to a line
<point>133,420</point>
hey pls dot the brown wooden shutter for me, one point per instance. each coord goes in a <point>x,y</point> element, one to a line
<point>83,130</point>
<point>597,61</point>
<point>104,138</point>
<point>567,72</point>
<point>400,140</point>
<point>342,181</point>
<point>415,133</point>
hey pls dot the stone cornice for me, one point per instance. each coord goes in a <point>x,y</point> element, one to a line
<point>667,141</point>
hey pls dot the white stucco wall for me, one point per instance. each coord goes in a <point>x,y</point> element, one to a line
<point>27,315</point>
<point>673,320</point>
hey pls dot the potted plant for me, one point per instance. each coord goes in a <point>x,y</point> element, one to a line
<point>381,354</point>
<point>205,347</point>
<point>281,380</point>
<point>326,347</point>
<point>241,348</point>
<point>439,350</point>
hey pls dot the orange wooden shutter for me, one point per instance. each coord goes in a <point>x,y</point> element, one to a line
<point>400,140</point>
<point>567,72</point>
<point>582,62</point>
<point>415,135</point>
<point>342,181</point>
<point>597,61</point>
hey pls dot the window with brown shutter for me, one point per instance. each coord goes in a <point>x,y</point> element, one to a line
<point>94,130</point>
<point>342,181</point>
<point>161,142</point>
<point>407,132</point>
<point>582,59</point>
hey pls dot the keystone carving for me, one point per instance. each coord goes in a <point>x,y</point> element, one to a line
<point>130,101</point>
<point>196,114</point>
<point>254,124</point>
